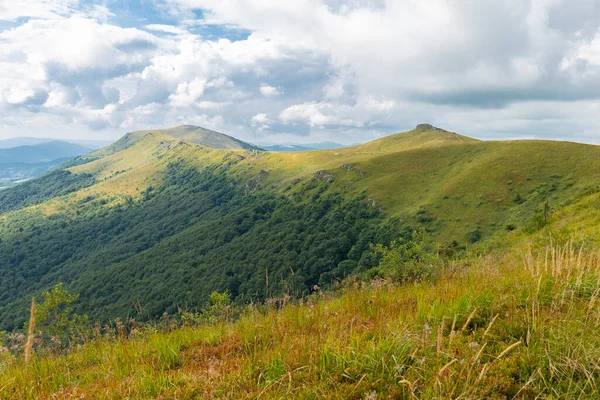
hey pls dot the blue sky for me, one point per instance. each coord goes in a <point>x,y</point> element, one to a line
<point>301,70</point>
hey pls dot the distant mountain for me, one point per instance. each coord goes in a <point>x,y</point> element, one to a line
<point>42,152</point>
<point>301,147</point>
<point>22,141</point>
<point>287,147</point>
<point>22,170</point>
<point>32,141</point>
<point>91,144</point>
<point>21,162</point>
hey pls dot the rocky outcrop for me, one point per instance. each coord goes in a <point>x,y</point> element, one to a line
<point>324,176</point>
<point>428,127</point>
<point>255,183</point>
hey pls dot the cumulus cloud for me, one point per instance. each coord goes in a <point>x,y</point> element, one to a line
<point>268,91</point>
<point>12,10</point>
<point>345,71</point>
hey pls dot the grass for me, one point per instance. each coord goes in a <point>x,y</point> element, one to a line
<point>514,326</point>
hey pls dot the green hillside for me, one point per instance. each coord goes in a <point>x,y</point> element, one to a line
<point>422,265</point>
<point>518,325</point>
<point>161,219</point>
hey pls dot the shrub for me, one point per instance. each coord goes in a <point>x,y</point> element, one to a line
<point>534,224</point>
<point>474,236</point>
<point>219,309</point>
<point>406,260</point>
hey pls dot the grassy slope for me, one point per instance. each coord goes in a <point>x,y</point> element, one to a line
<point>499,326</point>
<point>460,183</point>
<point>518,326</point>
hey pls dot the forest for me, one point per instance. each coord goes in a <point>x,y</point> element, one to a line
<point>166,251</point>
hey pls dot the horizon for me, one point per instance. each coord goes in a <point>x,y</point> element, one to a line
<point>299,141</point>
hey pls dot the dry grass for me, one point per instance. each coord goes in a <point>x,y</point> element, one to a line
<point>30,335</point>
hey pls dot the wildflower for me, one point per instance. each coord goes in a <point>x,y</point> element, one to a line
<point>426,328</point>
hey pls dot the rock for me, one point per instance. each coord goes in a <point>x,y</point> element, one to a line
<point>254,183</point>
<point>347,167</point>
<point>428,127</point>
<point>324,176</point>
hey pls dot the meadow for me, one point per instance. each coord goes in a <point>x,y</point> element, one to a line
<point>521,325</point>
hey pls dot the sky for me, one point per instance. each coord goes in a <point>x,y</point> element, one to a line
<point>301,70</point>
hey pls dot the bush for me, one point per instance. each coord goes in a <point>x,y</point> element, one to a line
<point>406,260</point>
<point>219,309</point>
<point>474,236</point>
<point>534,224</point>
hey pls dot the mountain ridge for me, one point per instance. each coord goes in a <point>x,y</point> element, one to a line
<point>175,214</point>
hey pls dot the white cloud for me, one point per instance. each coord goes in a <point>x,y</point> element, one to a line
<point>166,29</point>
<point>11,10</point>
<point>317,114</point>
<point>188,92</point>
<point>77,43</point>
<point>323,68</point>
<point>268,91</point>
<point>211,105</point>
<point>261,119</point>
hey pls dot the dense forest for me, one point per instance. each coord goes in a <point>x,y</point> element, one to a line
<point>197,232</point>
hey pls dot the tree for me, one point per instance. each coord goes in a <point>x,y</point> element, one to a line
<point>546,211</point>
<point>219,308</point>
<point>55,316</point>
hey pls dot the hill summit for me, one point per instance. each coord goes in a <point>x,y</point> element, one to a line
<point>205,137</point>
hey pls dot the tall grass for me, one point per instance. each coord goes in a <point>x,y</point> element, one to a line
<point>514,326</point>
<point>28,350</point>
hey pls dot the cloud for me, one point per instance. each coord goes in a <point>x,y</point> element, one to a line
<point>345,71</point>
<point>13,10</point>
<point>268,91</point>
<point>166,29</point>
<point>315,114</point>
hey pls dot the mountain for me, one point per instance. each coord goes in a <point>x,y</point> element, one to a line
<point>43,152</point>
<point>31,141</point>
<point>24,170</point>
<point>300,147</point>
<point>21,141</point>
<point>286,147</point>
<point>202,136</point>
<point>25,162</point>
<point>161,219</point>
<point>90,144</point>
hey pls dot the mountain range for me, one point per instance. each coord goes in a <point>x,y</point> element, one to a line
<point>162,218</point>
<point>28,161</point>
<point>30,141</point>
<point>288,147</point>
